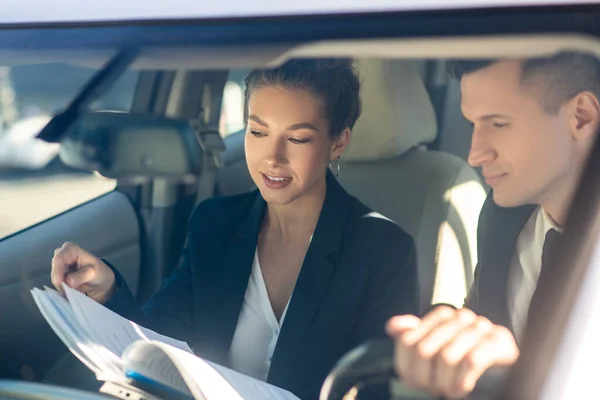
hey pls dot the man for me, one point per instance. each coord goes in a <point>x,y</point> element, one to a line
<point>534,123</point>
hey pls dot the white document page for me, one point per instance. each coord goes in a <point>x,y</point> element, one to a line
<point>60,317</point>
<point>150,361</point>
<point>215,382</point>
<point>109,328</point>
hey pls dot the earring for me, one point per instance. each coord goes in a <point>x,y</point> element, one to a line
<point>336,172</point>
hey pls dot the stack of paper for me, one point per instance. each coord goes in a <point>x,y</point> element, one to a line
<point>118,350</point>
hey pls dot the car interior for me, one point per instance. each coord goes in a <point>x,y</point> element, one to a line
<point>407,160</point>
<point>436,196</point>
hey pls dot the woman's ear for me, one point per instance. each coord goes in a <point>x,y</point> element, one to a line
<point>340,143</point>
<point>586,116</point>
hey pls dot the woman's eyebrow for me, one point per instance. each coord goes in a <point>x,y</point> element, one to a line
<point>302,125</point>
<point>295,127</point>
<point>258,120</point>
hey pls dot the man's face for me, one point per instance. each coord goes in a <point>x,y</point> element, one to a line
<point>526,154</point>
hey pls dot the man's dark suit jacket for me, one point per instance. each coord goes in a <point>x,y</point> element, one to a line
<point>497,234</point>
<point>359,270</point>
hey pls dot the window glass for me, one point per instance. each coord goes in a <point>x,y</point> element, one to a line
<point>232,109</point>
<point>34,183</point>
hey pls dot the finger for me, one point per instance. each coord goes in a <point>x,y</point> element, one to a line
<point>401,323</point>
<point>66,256</point>
<point>61,262</point>
<point>417,366</point>
<point>402,360</point>
<point>84,275</point>
<point>69,254</point>
<point>395,327</point>
<point>430,321</point>
<point>429,369</point>
<point>444,333</point>
<point>466,341</point>
<point>451,360</point>
<point>58,272</point>
<point>498,348</point>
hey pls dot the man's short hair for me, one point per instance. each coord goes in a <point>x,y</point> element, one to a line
<point>555,79</point>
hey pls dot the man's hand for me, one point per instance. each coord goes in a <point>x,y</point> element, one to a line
<point>447,351</point>
<point>82,271</point>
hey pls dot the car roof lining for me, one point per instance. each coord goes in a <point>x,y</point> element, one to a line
<point>231,57</point>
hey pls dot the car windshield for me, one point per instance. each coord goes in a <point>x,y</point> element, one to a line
<point>32,94</point>
<point>169,186</point>
<point>31,174</point>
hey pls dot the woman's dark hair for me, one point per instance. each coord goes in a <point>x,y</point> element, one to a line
<point>335,81</point>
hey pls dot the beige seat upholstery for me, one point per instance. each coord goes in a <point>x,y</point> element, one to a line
<point>433,195</point>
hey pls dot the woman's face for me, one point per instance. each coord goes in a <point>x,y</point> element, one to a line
<point>288,147</point>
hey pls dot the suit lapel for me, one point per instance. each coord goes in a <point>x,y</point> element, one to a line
<point>317,269</point>
<point>502,229</point>
<point>229,284</point>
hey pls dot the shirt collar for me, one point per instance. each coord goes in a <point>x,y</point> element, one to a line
<point>549,223</point>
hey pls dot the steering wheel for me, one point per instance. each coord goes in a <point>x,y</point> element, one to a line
<point>372,363</point>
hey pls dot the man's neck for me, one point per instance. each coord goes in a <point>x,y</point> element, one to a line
<point>557,203</point>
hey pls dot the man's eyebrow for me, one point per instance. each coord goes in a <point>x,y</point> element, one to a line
<point>487,117</point>
<point>302,125</point>
<point>258,120</point>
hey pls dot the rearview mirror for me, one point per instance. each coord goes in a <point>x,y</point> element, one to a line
<point>133,147</point>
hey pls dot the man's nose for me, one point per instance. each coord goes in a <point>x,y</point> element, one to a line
<point>481,151</point>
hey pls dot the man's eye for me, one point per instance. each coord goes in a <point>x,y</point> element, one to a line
<point>500,125</point>
<point>256,133</point>
<point>299,141</point>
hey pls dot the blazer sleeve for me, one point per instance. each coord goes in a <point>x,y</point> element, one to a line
<point>168,311</point>
<point>392,289</point>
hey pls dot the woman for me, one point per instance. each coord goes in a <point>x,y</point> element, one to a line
<point>278,283</point>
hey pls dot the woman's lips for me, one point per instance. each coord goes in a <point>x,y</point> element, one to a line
<point>276,182</point>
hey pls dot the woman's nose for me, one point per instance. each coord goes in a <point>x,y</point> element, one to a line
<point>276,153</point>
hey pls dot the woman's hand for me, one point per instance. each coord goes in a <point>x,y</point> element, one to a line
<point>82,271</point>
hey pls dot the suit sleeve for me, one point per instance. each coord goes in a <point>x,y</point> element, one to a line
<point>393,288</point>
<point>169,311</point>
<point>471,301</point>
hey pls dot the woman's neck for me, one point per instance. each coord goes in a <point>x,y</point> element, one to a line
<point>298,217</point>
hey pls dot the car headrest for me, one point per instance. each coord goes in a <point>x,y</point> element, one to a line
<point>397,112</point>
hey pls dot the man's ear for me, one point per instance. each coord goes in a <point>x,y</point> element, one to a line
<point>586,115</point>
<point>339,144</point>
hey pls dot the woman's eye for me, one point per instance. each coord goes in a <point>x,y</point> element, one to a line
<point>299,141</point>
<point>256,133</point>
<point>500,125</point>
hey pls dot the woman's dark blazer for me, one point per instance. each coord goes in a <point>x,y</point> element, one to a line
<point>360,269</point>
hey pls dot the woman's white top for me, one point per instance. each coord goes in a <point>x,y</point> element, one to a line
<point>257,329</point>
